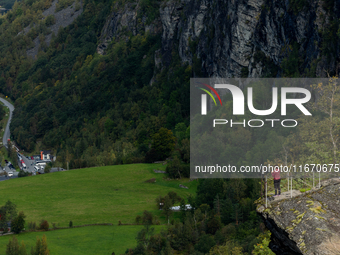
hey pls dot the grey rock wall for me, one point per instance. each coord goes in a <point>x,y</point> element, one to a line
<point>226,35</point>
<point>63,18</point>
<point>306,224</point>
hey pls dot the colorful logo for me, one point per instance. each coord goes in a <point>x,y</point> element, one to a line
<point>213,90</point>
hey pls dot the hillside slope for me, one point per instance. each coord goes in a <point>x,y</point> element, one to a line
<point>108,82</point>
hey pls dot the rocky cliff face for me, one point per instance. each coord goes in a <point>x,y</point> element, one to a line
<point>305,224</point>
<point>228,38</point>
<point>63,18</point>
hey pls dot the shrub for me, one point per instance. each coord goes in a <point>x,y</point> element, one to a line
<point>152,180</point>
<point>50,20</point>
<point>147,218</point>
<point>62,4</point>
<point>47,169</point>
<point>174,197</point>
<point>77,7</point>
<point>175,169</point>
<point>44,225</point>
<point>70,224</point>
<point>22,173</point>
<point>156,221</point>
<point>138,219</point>
<point>32,226</point>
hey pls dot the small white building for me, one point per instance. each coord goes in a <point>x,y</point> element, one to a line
<point>47,155</point>
<point>178,208</point>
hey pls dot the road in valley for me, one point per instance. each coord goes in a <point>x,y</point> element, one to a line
<point>7,134</point>
<point>29,162</point>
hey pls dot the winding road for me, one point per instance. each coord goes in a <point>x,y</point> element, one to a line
<point>29,163</point>
<point>7,134</point>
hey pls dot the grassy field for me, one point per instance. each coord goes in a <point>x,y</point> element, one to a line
<point>92,195</point>
<point>88,240</point>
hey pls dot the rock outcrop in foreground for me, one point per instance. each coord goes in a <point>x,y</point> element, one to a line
<point>306,224</point>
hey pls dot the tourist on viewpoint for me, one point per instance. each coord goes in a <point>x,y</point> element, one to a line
<point>277,180</point>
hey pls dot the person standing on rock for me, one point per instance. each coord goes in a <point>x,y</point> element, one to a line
<point>277,180</point>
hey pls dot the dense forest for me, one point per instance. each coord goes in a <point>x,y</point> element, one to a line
<point>96,109</point>
<point>91,109</point>
<point>224,221</point>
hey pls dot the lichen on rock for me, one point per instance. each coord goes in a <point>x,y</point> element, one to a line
<point>307,224</point>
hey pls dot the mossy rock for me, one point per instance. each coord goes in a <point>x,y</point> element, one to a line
<point>317,210</point>
<point>290,229</point>
<point>320,217</point>
<point>310,202</point>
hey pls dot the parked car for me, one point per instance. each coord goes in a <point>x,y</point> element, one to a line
<point>10,174</point>
<point>36,168</point>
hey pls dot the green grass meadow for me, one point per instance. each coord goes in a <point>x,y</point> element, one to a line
<point>87,240</point>
<point>92,195</point>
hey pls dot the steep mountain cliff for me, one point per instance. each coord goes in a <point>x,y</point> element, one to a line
<point>89,90</point>
<point>239,38</point>
<point>305,224</point>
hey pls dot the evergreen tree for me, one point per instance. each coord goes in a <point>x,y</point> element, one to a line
<point>40,247</point>
<point>13,246</point>
<point>237,214</point>
<point>18,223</point>
<point>22,249</point>
<point>8,212</point>
<point>167,207</point>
